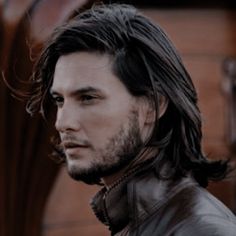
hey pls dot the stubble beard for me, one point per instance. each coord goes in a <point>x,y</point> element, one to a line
<point>119,151</point>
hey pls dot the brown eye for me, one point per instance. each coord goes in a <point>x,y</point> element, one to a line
<point>87,99</point>
<point>58,101</point>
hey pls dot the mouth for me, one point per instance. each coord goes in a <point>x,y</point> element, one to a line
<point>73,145</point>
<point>72,149</point>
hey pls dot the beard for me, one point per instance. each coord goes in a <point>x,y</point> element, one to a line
<point>118,152</point>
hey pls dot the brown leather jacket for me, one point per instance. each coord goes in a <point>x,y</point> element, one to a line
<point>144,206</point>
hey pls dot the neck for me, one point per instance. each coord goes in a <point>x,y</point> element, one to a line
<point>144,155</point>
<point>111,179</point>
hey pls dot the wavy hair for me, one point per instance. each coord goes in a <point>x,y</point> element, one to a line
<point>148,64</point>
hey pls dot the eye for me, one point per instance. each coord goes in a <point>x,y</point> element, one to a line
<point>58,100</point>
<point>87,99</point>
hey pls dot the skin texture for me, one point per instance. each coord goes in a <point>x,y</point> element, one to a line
<point>101,125</point>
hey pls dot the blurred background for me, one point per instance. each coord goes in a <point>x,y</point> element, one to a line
<point>37,198</point>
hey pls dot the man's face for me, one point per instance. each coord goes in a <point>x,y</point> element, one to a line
<point>101,125</point>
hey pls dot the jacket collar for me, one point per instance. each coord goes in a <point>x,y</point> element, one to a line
<point>110,205</point>
<point>147,194</point>
<point>135,197</point>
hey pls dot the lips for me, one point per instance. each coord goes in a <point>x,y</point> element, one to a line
<point>72,145</point>
<point>73,149</point>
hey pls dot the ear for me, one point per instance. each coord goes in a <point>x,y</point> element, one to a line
<point>151,112</point>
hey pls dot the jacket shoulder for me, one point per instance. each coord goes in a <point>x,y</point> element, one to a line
<point>179,209</point>
<point>204,225</point>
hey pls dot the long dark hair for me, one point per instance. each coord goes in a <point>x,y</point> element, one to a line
<point>148,64</point>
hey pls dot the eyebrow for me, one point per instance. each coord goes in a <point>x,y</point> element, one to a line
<point>78,92</point>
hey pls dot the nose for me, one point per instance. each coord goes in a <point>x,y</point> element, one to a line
<point>67,119</point>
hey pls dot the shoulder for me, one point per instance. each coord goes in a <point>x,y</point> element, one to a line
<point>180,208</point>
<point>205,215</point>
<point>205,225</point>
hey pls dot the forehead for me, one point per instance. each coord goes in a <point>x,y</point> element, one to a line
<point>84,69</point>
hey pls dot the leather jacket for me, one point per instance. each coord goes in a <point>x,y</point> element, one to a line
<point>143,205</point>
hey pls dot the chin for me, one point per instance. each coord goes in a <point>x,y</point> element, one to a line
<point>86,175</point>
<point>75,167</point>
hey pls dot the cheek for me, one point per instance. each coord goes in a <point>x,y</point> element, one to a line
<point>102,125</point>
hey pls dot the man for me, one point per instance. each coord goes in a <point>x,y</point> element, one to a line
<point>127,117</point>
